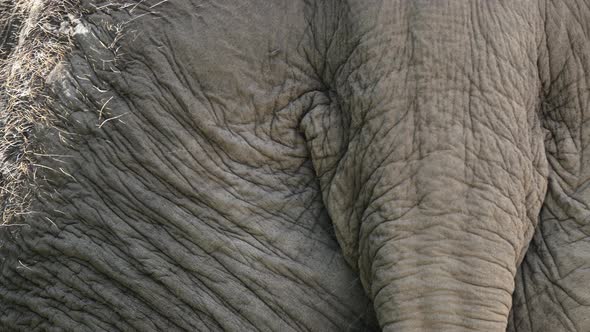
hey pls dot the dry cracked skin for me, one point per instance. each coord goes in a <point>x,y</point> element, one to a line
<point>316,165</point>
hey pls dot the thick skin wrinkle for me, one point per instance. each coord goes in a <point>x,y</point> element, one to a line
<point>311,165</point>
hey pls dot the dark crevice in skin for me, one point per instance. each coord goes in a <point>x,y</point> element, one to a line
<point>9,27</point>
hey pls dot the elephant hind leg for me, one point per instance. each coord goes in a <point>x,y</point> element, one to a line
<point>435,189</point>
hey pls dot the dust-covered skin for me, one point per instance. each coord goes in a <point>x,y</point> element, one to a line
<point>305,165</point>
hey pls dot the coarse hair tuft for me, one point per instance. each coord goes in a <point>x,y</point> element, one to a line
<point>35,36</point>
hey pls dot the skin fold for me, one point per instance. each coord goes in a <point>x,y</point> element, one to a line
<point>301,166</point>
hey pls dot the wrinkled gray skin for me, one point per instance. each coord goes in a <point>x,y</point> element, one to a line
<point>314,165</point>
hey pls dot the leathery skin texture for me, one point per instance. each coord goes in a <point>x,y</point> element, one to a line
<point>311,165</point>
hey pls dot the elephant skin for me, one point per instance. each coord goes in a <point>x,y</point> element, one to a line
<point>295,165</point>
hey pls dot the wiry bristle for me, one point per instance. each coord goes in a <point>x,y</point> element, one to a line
<point>32,43</point>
